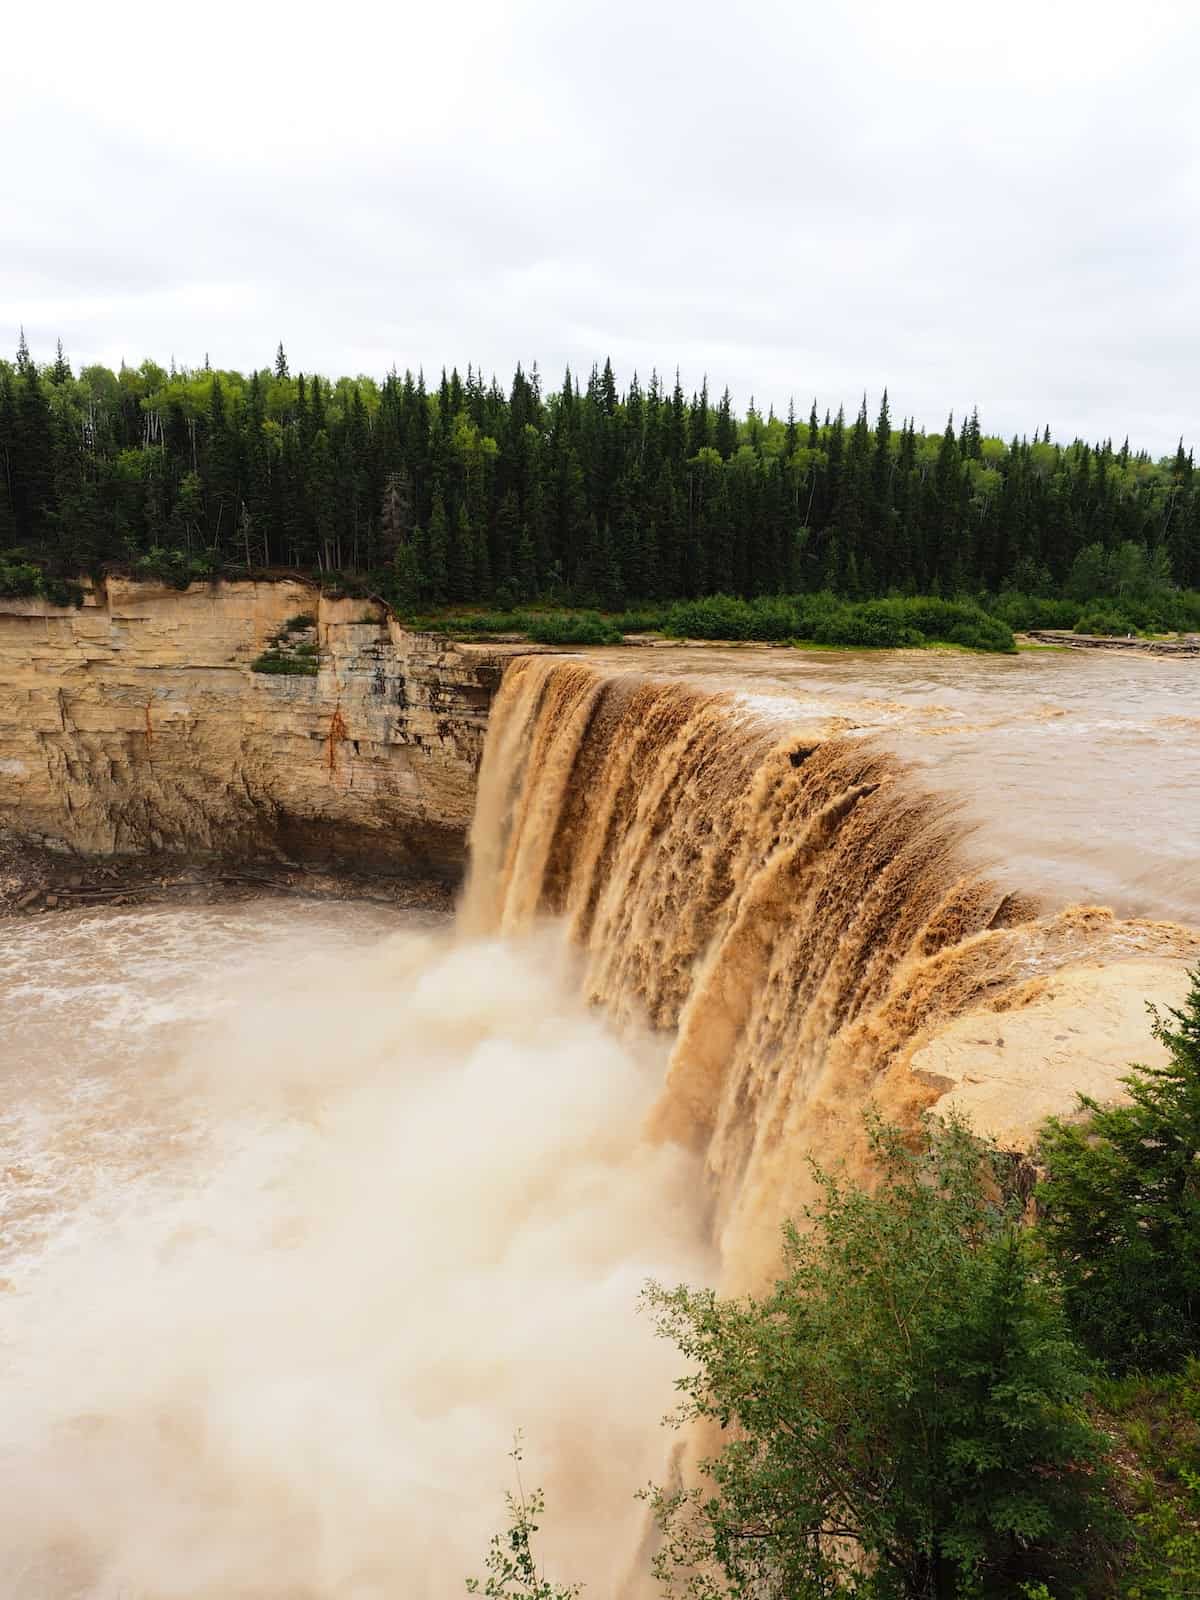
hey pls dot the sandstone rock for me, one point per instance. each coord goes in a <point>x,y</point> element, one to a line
<point>137,722</point>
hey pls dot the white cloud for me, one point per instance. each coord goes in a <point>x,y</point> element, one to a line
<point>992,207</point>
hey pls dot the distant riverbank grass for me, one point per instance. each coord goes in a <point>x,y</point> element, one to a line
<point>869,624</point>
<point>827,620</point>
<point>820,619</point>
<point>543,627</point>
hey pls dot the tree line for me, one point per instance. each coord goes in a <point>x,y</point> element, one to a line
<point>467,492</point>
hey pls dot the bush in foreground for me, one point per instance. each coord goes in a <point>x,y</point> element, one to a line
<point>1155,1426</point>
<point>1121,1208</point>
<point>513,1571</point>
<point>903,1415</point>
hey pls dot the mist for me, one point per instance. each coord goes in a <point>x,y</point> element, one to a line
<point>352,1212</point>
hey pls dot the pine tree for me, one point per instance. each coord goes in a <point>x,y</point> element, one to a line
<point>527,574</point>
<point>506,538</point>
<point>792,436</point>
<point>323,498</point>
<point>481,562</point>
<point>726,430</point>
<point>395,514</point>
<point>699,427</point>
<point>31,463</point>
<point>8,522</point>
<point>437,559</point>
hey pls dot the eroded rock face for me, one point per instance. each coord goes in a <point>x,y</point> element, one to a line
<point>136,723</point>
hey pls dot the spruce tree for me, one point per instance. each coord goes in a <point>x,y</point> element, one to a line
<point>726,430</point>
<point>1121,1206</point>
<point>437,559</point>
<point>31,466</point>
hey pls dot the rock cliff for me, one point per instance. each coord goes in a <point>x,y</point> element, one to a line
<point>136,723</point>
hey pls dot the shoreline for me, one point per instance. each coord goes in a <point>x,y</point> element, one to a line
<point>35,881</point>
<point>1187,646</point>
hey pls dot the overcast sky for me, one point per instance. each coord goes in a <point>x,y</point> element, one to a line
<point>994,205</point>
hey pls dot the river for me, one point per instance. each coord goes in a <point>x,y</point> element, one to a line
<point>307,1208</point>
<point>1079,768</point>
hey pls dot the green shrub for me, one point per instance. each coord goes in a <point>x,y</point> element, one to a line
<point>175,567</point>
<point>514,1571</point>
<point>478,622</point>
<point>1110,624</point>
<point>902,1416</point>
<point>959,622</point>
<point>19,579</point>
<point>293,666</point>
<point>722,616</point>
<point>1156,1425</point>
<point>1121,1208</point>
<point>1022,611</point>
<point>582,627</point>
<point>298,623</point>
<point>870,624</point>
<point>648,620</point>
<point>62,592</point>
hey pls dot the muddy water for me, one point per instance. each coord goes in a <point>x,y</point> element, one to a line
<point>784,894</point>
<point>1079,769</point>
<point>304,1211</point>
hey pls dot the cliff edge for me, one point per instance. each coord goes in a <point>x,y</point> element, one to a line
<point>137,724</point>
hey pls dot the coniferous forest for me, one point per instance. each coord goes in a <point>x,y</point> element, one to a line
<point>467,493</point>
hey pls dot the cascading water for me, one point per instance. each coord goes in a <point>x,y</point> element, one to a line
<point>304,1216</point>
<point>793,910</point>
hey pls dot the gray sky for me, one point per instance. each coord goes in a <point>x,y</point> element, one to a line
<point>996,205</point>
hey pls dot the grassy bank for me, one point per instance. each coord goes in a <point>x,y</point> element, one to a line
<point>816,619</point>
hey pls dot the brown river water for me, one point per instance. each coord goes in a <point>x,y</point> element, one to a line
<point>306,1209</point>
<point>1079,768</point>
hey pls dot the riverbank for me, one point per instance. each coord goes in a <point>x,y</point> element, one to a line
<point>35,881</point>
<point>1187,645</point>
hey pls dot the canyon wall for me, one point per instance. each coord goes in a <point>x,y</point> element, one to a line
<point>135,723</point>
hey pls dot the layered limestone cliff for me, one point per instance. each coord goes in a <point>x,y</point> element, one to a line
<point>136,723</point>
